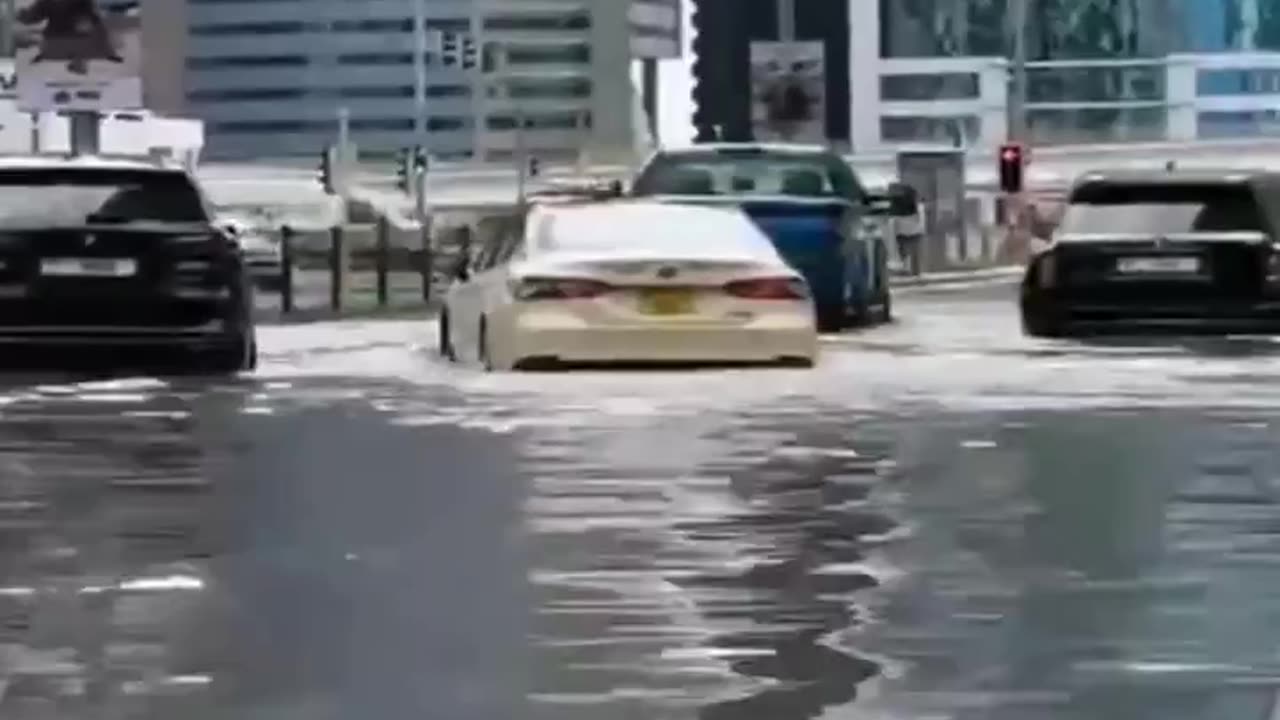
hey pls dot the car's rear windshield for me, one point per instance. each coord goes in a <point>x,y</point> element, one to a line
<point>667,230</point>
<point>72,197</point>
<point>1145,208</point>
<point>749,172</point>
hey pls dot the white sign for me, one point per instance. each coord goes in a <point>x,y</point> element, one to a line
<point>788,83</point>
<point>8,80</point>
<point>77,55</point>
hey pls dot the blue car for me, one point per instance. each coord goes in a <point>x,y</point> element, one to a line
<point>808,200</point>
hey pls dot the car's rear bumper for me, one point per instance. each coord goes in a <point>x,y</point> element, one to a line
<point>1222,315</point>
<point>762,343</point>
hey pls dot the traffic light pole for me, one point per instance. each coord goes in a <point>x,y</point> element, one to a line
<point>1017,120</point>
<point>786,20</point>
<point>419,70</point>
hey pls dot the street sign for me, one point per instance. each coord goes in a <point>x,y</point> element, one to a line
<point>788,83</point>
<point>78,56</point>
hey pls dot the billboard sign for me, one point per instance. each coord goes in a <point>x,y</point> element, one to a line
<point>788,82</point>
<point>78,55</point>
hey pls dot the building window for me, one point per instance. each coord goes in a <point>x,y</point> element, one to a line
<point>943,130</point>
<point>201,96</point>
<point>455,25</point>
<point>375,58</point>
<point>372,26</point>
<point>384,124</point>
<point>375,91</point>
<point>553,88</point>
<point>539,54</point>
<point>448,91</point>
<point>1237,82</point>
<point>246,61</point>
<point>1246,123</point>
<point>580,20</point>
<point>921,87</point>
<point>566,120</point>
<point>284,27</point>
<point>440,123</point>
<point>268,126</point>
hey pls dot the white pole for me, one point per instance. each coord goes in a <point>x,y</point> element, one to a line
<point>786,20</point>
<point>1018,93</point>
<point>344,160</point>
<point>522,158</point>
<point>419,70</point>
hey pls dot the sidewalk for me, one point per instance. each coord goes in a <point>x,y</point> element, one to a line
<point>1002,272</point>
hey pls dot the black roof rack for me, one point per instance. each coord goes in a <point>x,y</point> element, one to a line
<point>591,191</point>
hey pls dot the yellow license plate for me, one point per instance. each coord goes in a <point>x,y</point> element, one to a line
<point>666,302</point>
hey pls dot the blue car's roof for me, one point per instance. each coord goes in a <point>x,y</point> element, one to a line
<point>770,148</point>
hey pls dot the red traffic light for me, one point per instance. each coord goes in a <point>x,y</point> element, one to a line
<point>1011,163</point>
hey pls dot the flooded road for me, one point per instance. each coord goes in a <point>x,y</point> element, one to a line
<point>943,520</point>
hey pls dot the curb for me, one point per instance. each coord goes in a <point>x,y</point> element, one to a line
<point>1003,272</point>
<point>306,316</point>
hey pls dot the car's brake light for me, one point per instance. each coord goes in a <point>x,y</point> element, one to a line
<point>770,288</point>
<point>550,288</point>
<point>1273,265</point>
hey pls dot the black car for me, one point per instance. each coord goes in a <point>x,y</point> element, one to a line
<point>119,255</point>
<point>1173,249</point>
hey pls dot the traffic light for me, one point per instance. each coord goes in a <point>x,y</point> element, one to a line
<point>470,52</point>
<point>1012,162</point>
<point>535,167</point>
<point>450,50</point>
<point>404,170</point>
<point>324,173</point>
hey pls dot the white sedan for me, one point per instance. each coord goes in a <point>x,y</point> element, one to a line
<point>627,281</point>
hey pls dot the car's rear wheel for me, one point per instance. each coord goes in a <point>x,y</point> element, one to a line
<point>1040,323</point>
<point>238,355</point>
<point>831,318</point>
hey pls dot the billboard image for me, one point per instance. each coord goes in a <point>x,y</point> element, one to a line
<point>788,80</point>
<point>78,55</point>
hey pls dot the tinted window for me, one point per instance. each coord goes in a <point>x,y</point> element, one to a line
<point>1152,208</point>
<point>749,173</point>
<point>75,197</point>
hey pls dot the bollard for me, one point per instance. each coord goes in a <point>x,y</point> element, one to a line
<point>382,259</point>
<point>286,269</point>
<point>335,268</point>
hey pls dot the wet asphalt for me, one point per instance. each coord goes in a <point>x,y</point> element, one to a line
<point>943,520</point>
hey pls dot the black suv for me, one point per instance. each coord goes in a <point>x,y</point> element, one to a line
<point>119,254</point>
<point>1176,249</point>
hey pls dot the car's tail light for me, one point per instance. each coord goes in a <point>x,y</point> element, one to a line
<point>1047,270</point>
<point>548,288</point>
<point>771,288</point>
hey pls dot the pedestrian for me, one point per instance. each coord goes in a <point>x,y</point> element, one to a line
<point>909,232</point>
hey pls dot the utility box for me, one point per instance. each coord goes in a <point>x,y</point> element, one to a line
<point>938,177</point>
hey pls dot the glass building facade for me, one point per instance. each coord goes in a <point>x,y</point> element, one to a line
<point>1125,99</point>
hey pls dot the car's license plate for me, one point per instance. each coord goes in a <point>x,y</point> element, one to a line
<point>1158,265</point>
<point>89,267</point>
<point>666,302</point>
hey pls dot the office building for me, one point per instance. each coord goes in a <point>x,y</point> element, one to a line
<point>937,70</point>
<point>269,77</point>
